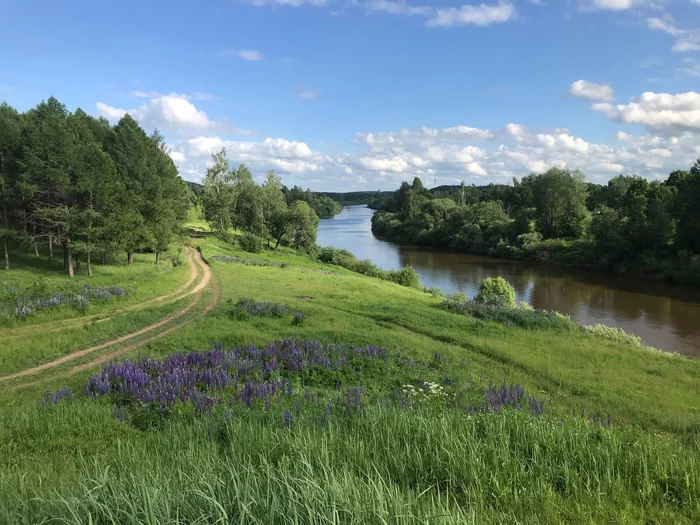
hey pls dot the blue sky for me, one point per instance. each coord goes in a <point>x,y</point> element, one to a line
<point>349,94</point>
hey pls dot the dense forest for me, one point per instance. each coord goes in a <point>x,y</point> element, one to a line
<point>324,206</point>
<point>352,198</point>
<point>265,213</point>
<point>71,181</point>
<point>629,225</point>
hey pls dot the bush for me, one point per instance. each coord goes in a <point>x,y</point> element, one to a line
<point>227,237</point>
<point>252,243</point>
<point>406,276</point>
<point>495,291</point>
<point>521,317</point>
<point>613,334</point>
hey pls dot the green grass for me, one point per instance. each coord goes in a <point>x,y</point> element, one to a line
<point>74,463</point>
<point>33,276</point>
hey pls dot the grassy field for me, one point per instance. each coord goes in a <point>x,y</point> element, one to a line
<point>380,408</point>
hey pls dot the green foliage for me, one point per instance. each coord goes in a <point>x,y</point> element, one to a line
<point>614,334</point>
<point>406,276</point>
<point>495,291</point>
<point>630,225</point>
<point>251,243</point>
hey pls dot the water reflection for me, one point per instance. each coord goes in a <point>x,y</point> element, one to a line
<point>663,315</point>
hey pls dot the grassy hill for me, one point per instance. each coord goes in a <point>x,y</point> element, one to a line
<point>330,397</point>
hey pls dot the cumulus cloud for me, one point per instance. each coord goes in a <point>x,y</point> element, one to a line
<point>657,111</point>
<point>615,5</point>
<point>591,91</point>
<point>478,15</point>
<point>170,113</point>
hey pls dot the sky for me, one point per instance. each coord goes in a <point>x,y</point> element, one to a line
<point>342,95</point>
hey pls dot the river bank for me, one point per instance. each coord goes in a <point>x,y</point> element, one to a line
<point>664,315</point>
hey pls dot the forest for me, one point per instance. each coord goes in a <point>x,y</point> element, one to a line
<point>628,226</point>
<point>75,183</point>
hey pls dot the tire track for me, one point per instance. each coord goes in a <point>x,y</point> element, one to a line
<point>64,324</point>
<point>80,353</point>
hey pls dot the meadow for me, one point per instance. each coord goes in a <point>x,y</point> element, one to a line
<point>297,391</point>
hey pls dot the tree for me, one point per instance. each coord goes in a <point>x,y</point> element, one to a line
<point>219,196</point>
<point>560,203</point>
<point>273,201</point>
<point>10,129</point>
<point>299,224</point>
<point>46,175</point>
<point>687,210</point>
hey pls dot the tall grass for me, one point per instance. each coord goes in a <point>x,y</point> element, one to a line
<point>383,465</point>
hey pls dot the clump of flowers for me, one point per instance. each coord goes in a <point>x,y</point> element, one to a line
<point>245,375</point>
<point>298,319</point>
<point>62,394</point>
<point>27,305</point>
<point>254,308</point>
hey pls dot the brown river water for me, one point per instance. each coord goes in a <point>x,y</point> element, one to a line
<point>664,315</point>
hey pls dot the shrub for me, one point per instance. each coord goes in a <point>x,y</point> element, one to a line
<point>406,276</point>
<point>613,334</point>
<point>227,237</point>
<point>251,243</point>
<point>495,291</point>
<point>520,317</point>
<point>437,292</point>
<point>298,319</point>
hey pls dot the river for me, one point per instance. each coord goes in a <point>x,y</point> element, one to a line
<point>664,315</point>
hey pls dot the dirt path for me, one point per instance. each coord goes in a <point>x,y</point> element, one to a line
<point>80,353</point>
<point>61,324</point>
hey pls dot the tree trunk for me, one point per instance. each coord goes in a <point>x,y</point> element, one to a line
<point>157,257</point>
<point>103,258</point>
<point>89,264</point>
<point>279,239</point>
<point>65,256</point>
<point>77,263</point>
<point>130,256</point>
<point>7,257</point>
<point>68,258</point>
<point>50,247</point>
<point>36,249</point>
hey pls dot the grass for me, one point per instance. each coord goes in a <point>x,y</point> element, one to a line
<point>386,461</point>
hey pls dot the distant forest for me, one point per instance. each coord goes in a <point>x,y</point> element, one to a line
<point>629,226</point>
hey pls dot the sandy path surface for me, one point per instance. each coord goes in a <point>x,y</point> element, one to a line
<point>80,353</point>
<point>60,324</point>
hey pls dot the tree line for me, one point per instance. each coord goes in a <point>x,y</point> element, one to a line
<point>629,225</point>
<point>232,199</point>
<point>72,181</point>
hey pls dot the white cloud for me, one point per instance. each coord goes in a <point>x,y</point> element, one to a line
<point>289,3</point>
<point>110,112</point>
<point>615,5</point>
<point>652,61</point>
<point>686,40</point>
<point>208,97</point>
<point>246,54</point>
<point>657,111</point>
<point>394,7</point>
<point>479,15</point>
<point>591,91</point>
<point>169,113</point>
<point>308,93</point>
<point>691,67</point>
<point>178,157</point>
